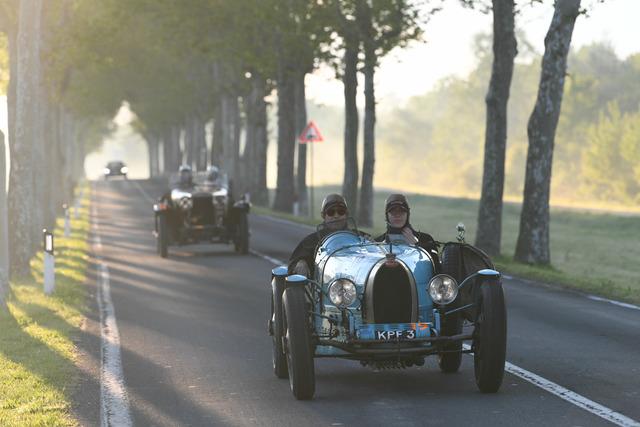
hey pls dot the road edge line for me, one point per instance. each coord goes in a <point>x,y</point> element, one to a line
<point>114,402</point>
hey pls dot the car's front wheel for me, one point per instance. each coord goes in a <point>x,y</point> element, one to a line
<point>297,344</point>
<point>450,360</point>
<point>277,330</point>
<point>490,337</point>
<point>163,236</point>
<point>242,234</point>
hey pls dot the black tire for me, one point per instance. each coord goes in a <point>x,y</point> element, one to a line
<point>450,361</point>
<point>163,236</point>
<point>298,344</point>
<point>278,357</point>
<point>490,341</point>
<point>242,234</point>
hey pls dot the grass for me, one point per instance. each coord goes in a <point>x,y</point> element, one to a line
<point>37,354</point>
<point>594,252</point>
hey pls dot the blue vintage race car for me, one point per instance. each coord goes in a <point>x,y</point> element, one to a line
<point>384,305</point>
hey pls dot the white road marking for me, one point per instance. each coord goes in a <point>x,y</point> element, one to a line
<point>610,301</point>
<point>549,386</point>
<point>268,258</point>
<point>114,402</point>
<point>588,296</point>
<point>571,397</point>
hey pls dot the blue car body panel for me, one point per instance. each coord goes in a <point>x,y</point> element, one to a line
<point>345,254</point>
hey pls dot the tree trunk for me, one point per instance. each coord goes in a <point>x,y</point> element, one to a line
<point>365,208</point>
<point>68,136</point>
<point>533,238</point>
<point>21,196</point>
<point>189,142</point>
<point>153,148</point>
<point>350,81</point>
<point>286,136</point>
<point>171,146</point>
<point>300,123</point>
<point>257,141</point>
<point>230,141</point>
<point>504,52</point>
<point>4,226</point>
<point>216,143</point>
<point>12,101</point>
<point>200,143</point>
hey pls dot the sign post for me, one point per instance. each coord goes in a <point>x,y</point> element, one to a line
<point>49,262</point>
<point>310,135</point>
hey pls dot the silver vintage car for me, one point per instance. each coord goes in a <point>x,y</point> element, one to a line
<point>203,211</point>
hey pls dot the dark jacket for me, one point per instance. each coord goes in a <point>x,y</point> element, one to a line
<point>425,241</point>
<point>305,250</point>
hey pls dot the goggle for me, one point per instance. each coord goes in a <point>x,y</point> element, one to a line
<point>397,210</point>
<point>335,211</point>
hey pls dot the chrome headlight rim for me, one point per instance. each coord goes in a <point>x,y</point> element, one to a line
<point>186,202</point>
<point>342,292</point>
<point>443,289</point>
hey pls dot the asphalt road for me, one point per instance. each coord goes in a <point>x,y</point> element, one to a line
<point>195,351</point>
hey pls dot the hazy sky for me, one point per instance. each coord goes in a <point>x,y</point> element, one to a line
<point>449,41</point>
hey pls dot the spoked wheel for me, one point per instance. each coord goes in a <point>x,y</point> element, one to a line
<point>490,337</point>
<point>450,361</point>
<point>163,237</point>
<point>278,357</point>
<point>242,235</point>
<point>297,344</point>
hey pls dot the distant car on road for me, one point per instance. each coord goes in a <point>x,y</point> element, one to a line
<point>201,211</point>
<point>385,305</point>
<point>115,168</point>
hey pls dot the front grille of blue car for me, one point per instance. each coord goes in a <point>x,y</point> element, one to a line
<point>392,296</point>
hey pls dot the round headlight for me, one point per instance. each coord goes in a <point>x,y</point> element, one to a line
<point>124,169</point>
<point>342,292</point>
<point>443,289</point>
<point>186,203</point>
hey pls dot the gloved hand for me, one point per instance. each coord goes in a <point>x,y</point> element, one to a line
<point>409,236</point>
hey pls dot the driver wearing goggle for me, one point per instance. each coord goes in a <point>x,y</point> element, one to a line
<point>334,214</point>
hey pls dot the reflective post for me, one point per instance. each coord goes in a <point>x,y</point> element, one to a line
<point>49,262</point>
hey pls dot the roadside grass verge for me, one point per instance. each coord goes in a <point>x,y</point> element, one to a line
<point>593,252</point>
<point>37,353</point>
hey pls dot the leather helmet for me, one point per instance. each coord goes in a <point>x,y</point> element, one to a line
<point>333,200</point>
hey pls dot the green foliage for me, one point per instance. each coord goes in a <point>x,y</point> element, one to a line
<point>443,131</point>
<point>612,161</point>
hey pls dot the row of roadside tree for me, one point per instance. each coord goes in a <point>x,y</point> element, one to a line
<point>181,64</point>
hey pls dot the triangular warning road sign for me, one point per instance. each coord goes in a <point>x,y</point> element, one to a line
<point>310,134</point>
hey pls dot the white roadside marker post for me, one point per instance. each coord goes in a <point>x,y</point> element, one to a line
<point>67,225</point>
<point>49,263</point>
